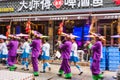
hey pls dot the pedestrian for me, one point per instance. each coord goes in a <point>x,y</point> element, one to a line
<point>96,48</point>
<point>74,55</point>
<point>65,48</point>
<point>12,53</point>
<point>45,56</point>
<point>35,45</point>
<point>25,54</point>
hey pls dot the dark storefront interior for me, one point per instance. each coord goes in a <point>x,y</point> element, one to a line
<point>104,27</point>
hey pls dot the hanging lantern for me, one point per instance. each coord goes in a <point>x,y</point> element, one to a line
<point>8,27</point>
<point>60,29</point>
<point>28,27</point>
<point>7,34</point>
<point>8,30</point>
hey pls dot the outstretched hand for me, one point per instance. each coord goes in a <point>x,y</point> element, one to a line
<point>87,43</point>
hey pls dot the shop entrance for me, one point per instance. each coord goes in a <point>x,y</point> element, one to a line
<point>19,27</point>
<point>3,29</point>
<point>108,29</point>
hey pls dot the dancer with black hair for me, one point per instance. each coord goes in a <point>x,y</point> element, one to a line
<point>74,55</point>
<point>25,55</point>
<point>45,56</point>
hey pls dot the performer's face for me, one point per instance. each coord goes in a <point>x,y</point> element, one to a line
<point>67,38</point>
<point>73,40</point>
<point>43,41</point>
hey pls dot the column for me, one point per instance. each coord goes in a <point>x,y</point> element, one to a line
<point>118,29</point>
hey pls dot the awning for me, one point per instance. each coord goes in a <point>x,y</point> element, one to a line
<point>61,17</point>
<point>107,16</point>
<point>46,18</point>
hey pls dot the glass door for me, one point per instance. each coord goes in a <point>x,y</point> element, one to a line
<point>107,30</point>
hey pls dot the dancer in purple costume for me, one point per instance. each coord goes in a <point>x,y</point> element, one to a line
<point>65,55</point>
<point>96,56</point>
<point>12,53</point>
<point>35,53</point>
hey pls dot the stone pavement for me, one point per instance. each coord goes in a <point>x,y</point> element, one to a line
<point>52,75</point>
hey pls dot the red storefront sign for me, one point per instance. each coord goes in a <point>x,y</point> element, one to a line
<point>58,3</point>
<point>117,2</point>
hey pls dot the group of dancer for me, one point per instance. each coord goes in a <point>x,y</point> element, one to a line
<point>40,48</point>
<point>68,51</point>
<point>37,48</point>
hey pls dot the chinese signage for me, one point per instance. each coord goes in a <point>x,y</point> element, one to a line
<point>43,7</point>
<point>6,10</point>
<point>57,6</point>
<point>47,4</point>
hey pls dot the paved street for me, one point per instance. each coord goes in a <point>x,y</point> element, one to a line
<point>52,75</point>
<point>85,76</point>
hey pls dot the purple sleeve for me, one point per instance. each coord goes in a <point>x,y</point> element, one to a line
<point>62,46</point>
<point>10,44</point>
<point>95,46</point>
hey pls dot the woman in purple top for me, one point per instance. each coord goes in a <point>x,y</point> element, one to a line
<point>35,53</point>
<point>96,56</point>
<point>65,55</point>
<point>12,53</point>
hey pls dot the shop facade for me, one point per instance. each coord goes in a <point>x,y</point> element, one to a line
<point>46,15</point>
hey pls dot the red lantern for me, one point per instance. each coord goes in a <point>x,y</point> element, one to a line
<point>28,28</point>
<point>8,30</point>
<point>8,27</point>
<point>60,30</point>
<point>7,34</point>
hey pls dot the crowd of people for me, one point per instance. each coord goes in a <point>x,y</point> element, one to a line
<point>39,48</point>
